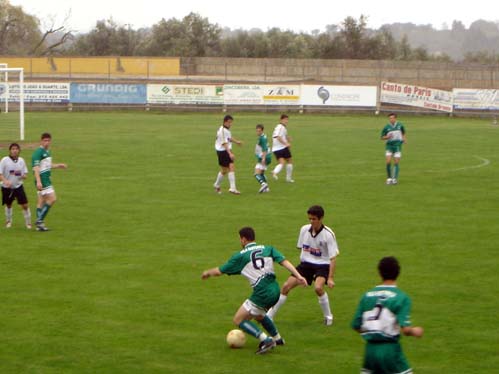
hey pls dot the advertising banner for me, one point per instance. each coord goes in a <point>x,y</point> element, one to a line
<point>281,95</point>
<point>108,93</point>
<point>184,94</point>
<point>37,92</point>
<point>474,99</point>
<point>422,97</point>
<point>364,96</point>
<point>241,94</point>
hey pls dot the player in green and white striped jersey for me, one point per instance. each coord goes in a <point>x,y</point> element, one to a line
<point>256,263</point>
<point>42,166</point>
<point>384,312</point>
<point>263,157</point>
<point>394,135</point>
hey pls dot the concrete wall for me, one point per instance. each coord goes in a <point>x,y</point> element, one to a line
<point>350,72</point>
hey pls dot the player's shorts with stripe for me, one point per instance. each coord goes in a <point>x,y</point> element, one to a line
<point>11,194</point>
<point>385,357</point>
<point>311,271</point>
<point>393,150</point>
<point>224,159</point>
<point>282,153</point>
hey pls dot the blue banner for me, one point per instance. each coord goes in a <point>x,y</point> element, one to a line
<point>108,93</point>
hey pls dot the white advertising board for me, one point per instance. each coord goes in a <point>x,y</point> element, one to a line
<point>281,95</point>
<point>421,97</point>
<point>240,94</point>
<point>476,99</point>
<point>184,94</point>
<point>364,96</point>
<point>38,92</point>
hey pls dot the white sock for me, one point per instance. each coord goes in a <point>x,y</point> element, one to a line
<point>262,336</point>
<point>219,180</point>
<point>27,216</point>
<point>277,169</point>
<point>8,214</point>
<point>289,171</point>
<point>324,303</point>
<point>272,311</point>
<point>232,180</point>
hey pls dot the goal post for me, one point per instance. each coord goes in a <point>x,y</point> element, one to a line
<point>7,93</point>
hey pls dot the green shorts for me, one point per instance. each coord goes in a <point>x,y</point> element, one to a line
<point>385,358</point>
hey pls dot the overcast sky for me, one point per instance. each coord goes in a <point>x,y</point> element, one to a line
<point>263,14</point>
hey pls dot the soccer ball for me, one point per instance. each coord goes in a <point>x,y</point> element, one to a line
<point>236,338</point>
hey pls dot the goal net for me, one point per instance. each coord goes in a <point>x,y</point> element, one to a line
<point>11,103</point>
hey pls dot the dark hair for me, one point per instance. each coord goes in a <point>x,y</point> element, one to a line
<point>283,116</point>
<point>14,145</point>
<point>389,268</point>
<point>46,135</point>
<point>393,114</point>
<point>259,126</point>
<point>228,118</point>
<point>248,233</point>
<point>316,210</point>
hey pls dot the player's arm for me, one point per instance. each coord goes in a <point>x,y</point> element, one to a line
<point>237,141</point>
<point>59,166</point>
<point>5,181</point>
<point>288,265</point>
<point>214,272</point>
<point>227,148</point>
<point>283,141</point>
<point>385,135</point>
<point>36,171</point>
<point>404,137</point>
<point>415,331</point>
<point>332,269</point>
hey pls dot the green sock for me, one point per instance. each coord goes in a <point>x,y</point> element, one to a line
<point>38,213</point>
<point>43,212</point>
<point>250,328</point>
<point>269,326</point>
<point>260,178</point>
<point>264,178</point>
<point>396,171</point>
<point>389,170</point>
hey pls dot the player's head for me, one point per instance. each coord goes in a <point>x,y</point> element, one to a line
<point>228,120</point>
<point>315,215</point>
<point>389,268</point>
<point>392,117</point>
<point>284,119</point>
<point>14,150</point>
<point>259,129</point>
<point>246,235</point>
<point>46,138</point>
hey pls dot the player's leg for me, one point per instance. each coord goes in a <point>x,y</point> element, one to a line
<point>232,179</point>
<point>242,319</point>
<point>388,160</point>
<point>22,200</point>
<point>7,199</point>
<point>8,215</point>
<point>280,164</point>
<point>323,299</point>
<point>290,283</point>
<point>289,170</point>
<point>396,167</point>
<point>260,177</point>
<point>46,199</point>
<point>223,162</point>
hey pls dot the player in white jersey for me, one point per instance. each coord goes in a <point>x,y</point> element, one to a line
<point>281,144</point>
<point>223,146</point>
<point>317,262</point>
<point>13,172</point>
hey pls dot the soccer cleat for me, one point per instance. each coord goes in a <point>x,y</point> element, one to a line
<point>394,181</point>
<point>280,341</point>
<point>41,227</point>
<point>265,346</point>
<point>218,190</point>
<point>389,181</point>
<point>328,321</point>
<point>8,224</point>
<point>289,180</point>
<point>275,176</point>
<point>263,188</point>
<point>235,192</point>
<point>28,226</point>
<point>266,190</point>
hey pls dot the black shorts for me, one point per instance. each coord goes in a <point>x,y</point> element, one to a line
<point>224,159</point>
<point>283,153</point>
<point>311,271</point>
<point>9,195</point>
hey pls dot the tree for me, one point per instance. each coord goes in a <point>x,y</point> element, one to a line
<point>353,35</point>
<point>19,32</point>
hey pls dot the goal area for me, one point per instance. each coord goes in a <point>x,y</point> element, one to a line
<point>11,103</point>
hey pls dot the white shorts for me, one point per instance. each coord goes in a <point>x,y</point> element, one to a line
<point>254,309</point>
<point>46,191</point>
<point>396,154</point>
<point>260,166</point>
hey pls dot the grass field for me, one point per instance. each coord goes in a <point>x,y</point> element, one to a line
<point>115,286</point>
